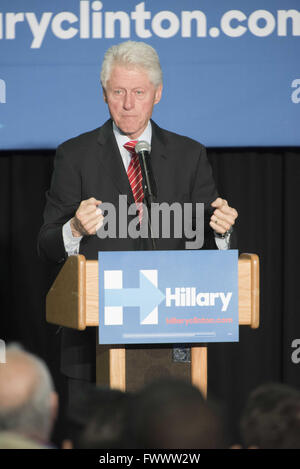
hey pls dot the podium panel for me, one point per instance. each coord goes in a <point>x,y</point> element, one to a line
<point>73,302</point>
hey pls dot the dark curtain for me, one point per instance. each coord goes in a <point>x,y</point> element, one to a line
<point>261,183</point>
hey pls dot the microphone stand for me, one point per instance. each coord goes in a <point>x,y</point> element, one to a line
<point>148,192</point>
<point>181,353</point>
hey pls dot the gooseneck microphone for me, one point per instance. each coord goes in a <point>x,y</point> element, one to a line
<point>143,149</point>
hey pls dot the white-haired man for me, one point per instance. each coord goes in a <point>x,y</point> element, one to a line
<point>28,401</point>
<point>97,167</point>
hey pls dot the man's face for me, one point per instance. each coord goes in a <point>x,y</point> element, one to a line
<point>130,96</point>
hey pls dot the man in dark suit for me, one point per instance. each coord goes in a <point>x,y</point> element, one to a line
<point>94,168</point>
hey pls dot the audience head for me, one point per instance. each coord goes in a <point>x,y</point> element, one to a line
<point>172,414</point>
<point>97,418</point>
<point>271,418</point>
<point>28,402</point>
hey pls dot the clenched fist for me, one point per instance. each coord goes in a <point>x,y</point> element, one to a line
<point>223,217</point>
<point>88,218</point>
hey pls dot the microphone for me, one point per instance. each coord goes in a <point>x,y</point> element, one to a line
<point>143,149</point>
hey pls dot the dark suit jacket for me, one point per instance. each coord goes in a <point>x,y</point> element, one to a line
<point>91,166</point>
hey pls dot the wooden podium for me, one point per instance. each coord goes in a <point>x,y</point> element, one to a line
<point>73,302</point>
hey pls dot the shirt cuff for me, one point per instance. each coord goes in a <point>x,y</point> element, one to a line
<point>223,243</point>
<point>71,242</point>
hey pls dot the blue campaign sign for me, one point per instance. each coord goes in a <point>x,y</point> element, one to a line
<point>231,68</point>
<point>148,297</point>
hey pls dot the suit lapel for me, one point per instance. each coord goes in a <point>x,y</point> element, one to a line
<point>159,157</point>
<point>111,161</point>
<point>158,143</point>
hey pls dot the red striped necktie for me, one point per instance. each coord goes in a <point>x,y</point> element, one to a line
<point>135,177</point>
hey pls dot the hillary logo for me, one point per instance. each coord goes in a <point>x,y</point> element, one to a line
<point>2,92</point>
<point>146,296</point>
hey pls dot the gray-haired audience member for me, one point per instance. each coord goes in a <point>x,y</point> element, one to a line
<point>271,418</point>
<point>28,402</point>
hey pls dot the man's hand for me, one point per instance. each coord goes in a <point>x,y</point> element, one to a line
<point>88,218</point>
<point>223,217</point>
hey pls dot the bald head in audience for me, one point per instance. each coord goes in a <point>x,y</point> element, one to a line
<point>28,402</point>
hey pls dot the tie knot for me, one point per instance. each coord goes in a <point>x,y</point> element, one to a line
<point>130,146</point>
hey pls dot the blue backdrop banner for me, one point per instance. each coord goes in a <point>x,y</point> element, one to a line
<point>231,68</point>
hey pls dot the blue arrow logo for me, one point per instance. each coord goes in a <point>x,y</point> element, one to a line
<point>147,297</point>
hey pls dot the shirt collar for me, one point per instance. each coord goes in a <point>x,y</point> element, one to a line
<point>121,138</point>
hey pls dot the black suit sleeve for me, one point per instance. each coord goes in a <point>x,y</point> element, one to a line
<point>204,190</point>
<point>62,201</point>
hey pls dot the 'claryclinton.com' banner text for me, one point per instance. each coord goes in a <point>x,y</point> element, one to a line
<point>231,68</point>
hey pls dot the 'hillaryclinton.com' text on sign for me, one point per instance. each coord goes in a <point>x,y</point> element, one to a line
<point>230,68</point>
